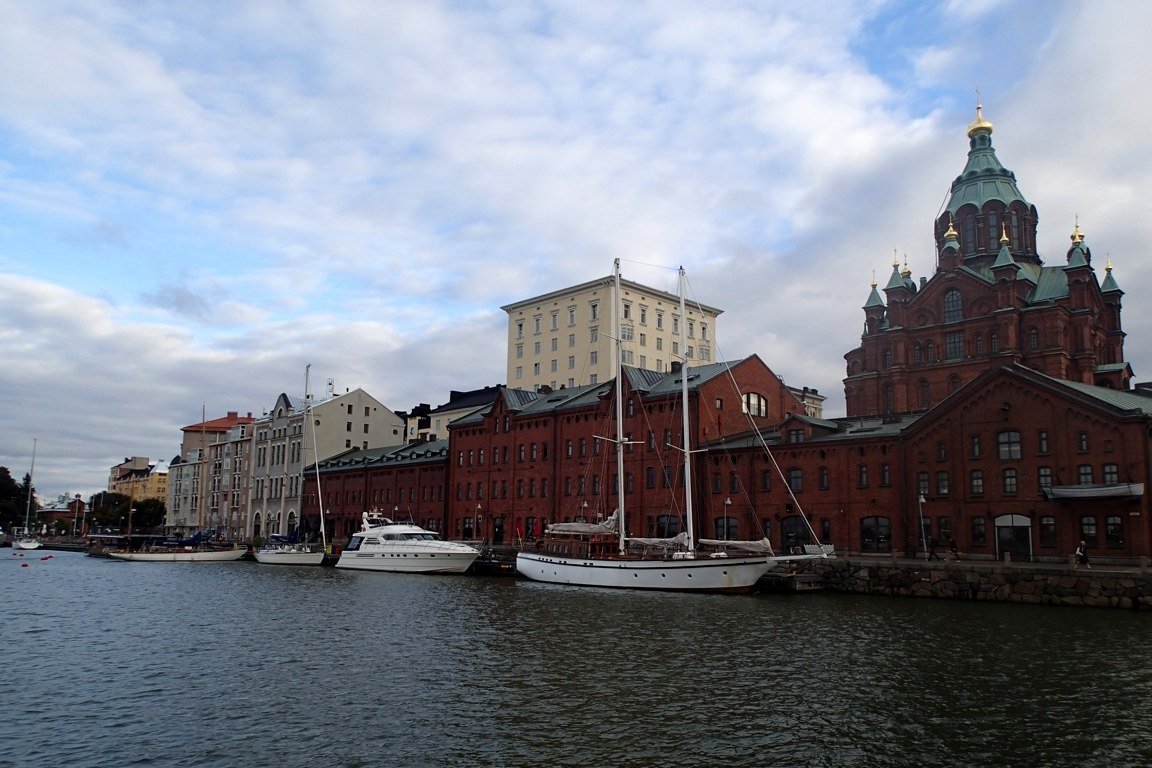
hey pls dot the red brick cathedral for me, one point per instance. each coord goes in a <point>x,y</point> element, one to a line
<point>991,302</point>
<point>988,406</point>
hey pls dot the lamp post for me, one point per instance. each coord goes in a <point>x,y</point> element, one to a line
<point>923,539</point>
<point>479,523</point>
<point>727,514</point>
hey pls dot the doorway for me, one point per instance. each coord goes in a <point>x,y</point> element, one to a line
<point>1014,537</point>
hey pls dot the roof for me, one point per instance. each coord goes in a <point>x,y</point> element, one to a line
<point>607,282</point>
<point>983,177</point>
<point>409,453</point>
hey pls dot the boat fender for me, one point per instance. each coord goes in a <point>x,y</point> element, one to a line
<point>23,565</point>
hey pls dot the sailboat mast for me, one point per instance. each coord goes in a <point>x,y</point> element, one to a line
<point>690,529</point>
<point>623,531</point>
<point>28,504</point>
<point>310,422</point>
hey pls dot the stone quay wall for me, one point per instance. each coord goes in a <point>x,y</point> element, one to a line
<point>990,581</point>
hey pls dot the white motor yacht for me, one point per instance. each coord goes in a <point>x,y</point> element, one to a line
<point>382,545</point>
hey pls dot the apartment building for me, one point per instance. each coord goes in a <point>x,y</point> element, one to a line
<point>562,339</point>
<point>282,448</point>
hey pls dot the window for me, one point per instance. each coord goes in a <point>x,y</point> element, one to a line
<point>924,394</point>
<point>1088,530</point>
<point>979,531</point>
<point>952,306</point>
<point>922,483</point>
<point>1033,339</point>
<point>954,345</point>
<point>650,477</point>
<point>993,343</point>
<point>659,322</point>
<point>976,482</point>
<point>1042,441</point>
<point>824,475</point>
<point>1044,477</point>
<point>887,358</point>
<point>796,479</point>
<point>755,405</point>
<point>941,483</point>
<point>875,534</point>
<point>1111,474</point>
<point>885,476</point>
<point>916,355</point>
<point>796,435</point>
<point>1113,532</point>
<point>1010,484</point>
<point>571,315</point>
<point>941,451</point>
<point>1084,474</point>
<point>555,320</point>
<point>571,340</point>
<point>727,528</point>
<point>555,344</point>
<point>593,357</point>
<point>974,443</point>
<point>1082,442</point>
<point>1047,531</point>
<point>594,311</point>
<point>862,476</point>
<point>643,315</point>
<point>1008,444</point>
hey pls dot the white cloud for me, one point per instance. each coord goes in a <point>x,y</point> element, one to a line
<point>360,186</point>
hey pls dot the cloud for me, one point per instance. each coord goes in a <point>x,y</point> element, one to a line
<point>193,208</point>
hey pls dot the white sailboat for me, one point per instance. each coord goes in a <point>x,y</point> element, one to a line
<point>582,554</point>
<point>26,539</point>
<point>281,550</point>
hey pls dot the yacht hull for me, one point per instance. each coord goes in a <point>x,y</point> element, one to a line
<point>704,574</point>
<point>409,561</point>
<point>28,544</point>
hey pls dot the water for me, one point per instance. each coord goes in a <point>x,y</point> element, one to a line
<point>237,664</point>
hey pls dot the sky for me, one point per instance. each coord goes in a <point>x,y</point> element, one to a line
<point>197,200</point>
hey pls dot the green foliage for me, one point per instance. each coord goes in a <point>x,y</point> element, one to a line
<point>149,515</point>
<point>9,500</point>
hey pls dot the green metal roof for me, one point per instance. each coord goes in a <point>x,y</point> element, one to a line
<point>983,177</point>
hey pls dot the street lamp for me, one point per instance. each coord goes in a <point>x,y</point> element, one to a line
<point>923,539</point>
<point>727,513</point>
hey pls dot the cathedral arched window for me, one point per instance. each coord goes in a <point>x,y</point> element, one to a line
<point>916,355</point>
<point>993,220</point>
<point>887,358</point>
<point>953,383</point>
<point>953,310</point>
<point>889,400</point>
<point>924,394</point>
<point>1033,339</point>
<point>968,234</point>
<point>993,343</point>
<point>930,352</point>
<point>1014,231</point>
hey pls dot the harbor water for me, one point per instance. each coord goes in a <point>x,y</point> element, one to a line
<point>238,664</point>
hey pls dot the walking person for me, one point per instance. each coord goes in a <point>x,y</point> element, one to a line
<point>953,550</point>
<point>1082,557</point>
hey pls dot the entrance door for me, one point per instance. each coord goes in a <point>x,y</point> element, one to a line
<point>498,531</point>
<point>1014,536</point>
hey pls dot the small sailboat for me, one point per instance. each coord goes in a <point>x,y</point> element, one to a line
<point>26,539</point>
<point>290,550</point>
<point>601,555</point>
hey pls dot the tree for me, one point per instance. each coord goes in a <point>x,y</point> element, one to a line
<point>9,500</point>
<point>149,515</point>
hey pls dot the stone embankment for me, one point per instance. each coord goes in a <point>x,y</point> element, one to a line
<point>1114,587</point>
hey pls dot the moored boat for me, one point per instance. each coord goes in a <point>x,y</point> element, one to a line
<point>382,545</point>
<point>179,555</point>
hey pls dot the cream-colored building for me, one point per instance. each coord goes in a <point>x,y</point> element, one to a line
<point>140,478</point>
<point>563,338</point>
<point>206,479</point>
<point>282,449</point>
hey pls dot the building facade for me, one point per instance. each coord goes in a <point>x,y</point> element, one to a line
<point>140,478</point>
<point>198,479</point>
<point>991,302</point>
<point>282,448</point>
<point>563,339</point>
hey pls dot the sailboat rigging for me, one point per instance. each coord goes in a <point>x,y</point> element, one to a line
<point>290,550</point>
<point>582,554</point>
<point>27,539</point>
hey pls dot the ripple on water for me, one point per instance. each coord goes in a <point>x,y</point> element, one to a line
<point>239,664</point>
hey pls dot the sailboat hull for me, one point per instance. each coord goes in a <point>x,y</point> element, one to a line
<point>705,574</point>
<point>181,556</point>
<point>26,544</point>
<point>288,556</point>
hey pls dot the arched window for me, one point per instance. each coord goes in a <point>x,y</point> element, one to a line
<point>953,383</point>
<point>993,343</point>
<point>952,306</point>
<point>755,404</point>
<point>916,355</point>
<point>924,399</point>
<point>887,358</point>
<point>1033,339</point>
<point>930,352</point>
<point>875,534</point>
